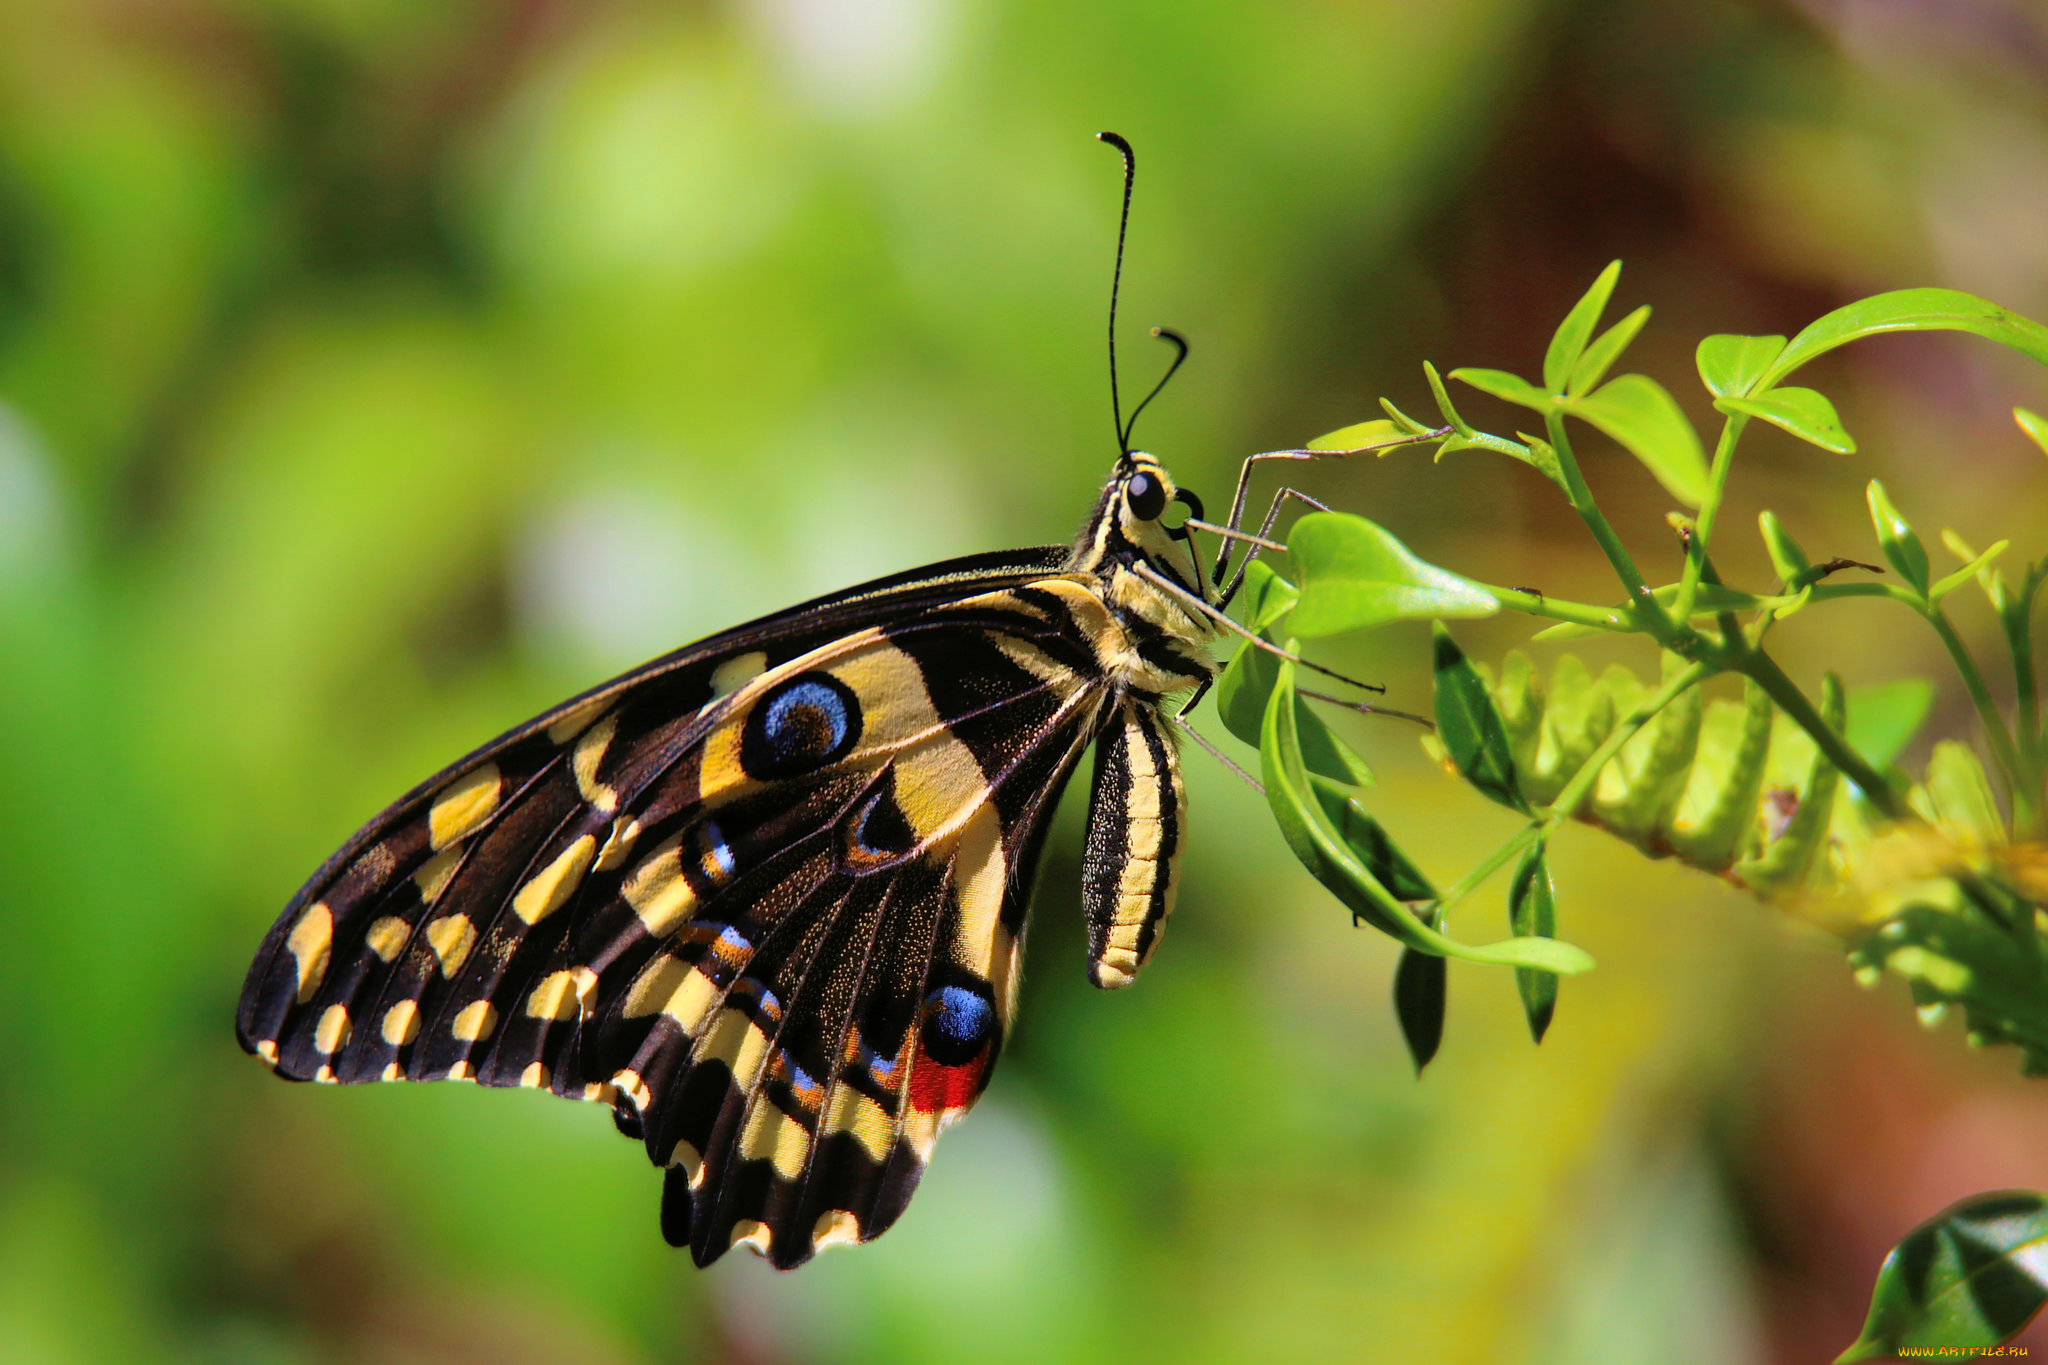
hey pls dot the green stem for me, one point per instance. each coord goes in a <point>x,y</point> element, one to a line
<point>1487,866</point>
<point>1578,613</point>
<point>1649,616</point>
<point>1763,670</point>
<point>1992,902</point>
<point>1995,733</point>
<point>1703,527</point>
<point>1575,791</point>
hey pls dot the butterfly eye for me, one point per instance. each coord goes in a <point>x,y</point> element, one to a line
<point>1145,496</point>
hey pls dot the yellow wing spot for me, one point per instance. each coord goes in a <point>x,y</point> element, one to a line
<point>535,1077</point>
<point>618,845</point>
<point>563,995</point>
<point>668,985</point>
<point>586,760</point>
<point>834,1228</point>
<point>775,1136</point>
<point>980,877</point>
<point>391,1072</point>
<point>752,1232</point>
<point>657,890</point>
<point>571,723</point>
<point>736,672</point>
<point>738,1042</point>
<point>267,1050</point>
<point>474,1022</point>
<point>325,1075</point>
<point>387,937</point>
<point>462,1071</point>
<point>870,1124</point>
<point>599,1093</point>
<point>653,987</point>
<point>690,1159</point>
<point>629,1084</point>
<point>310,944</point>
<point>435,874</point>
<point>471,800</point>
<point>692,1002</point>
<point>332,1030</point>
<point>401,1023</point>
<point>451,937</point>
<point>556,882</point>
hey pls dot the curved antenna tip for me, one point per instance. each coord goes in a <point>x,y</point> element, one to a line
<point>1115,140</point>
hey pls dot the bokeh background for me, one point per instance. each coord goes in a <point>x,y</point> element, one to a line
<point>375,372</point>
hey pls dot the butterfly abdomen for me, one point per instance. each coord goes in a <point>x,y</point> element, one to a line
<point>1130,866</point>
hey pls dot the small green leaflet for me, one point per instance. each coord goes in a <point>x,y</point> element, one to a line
<point>1970,1277</point>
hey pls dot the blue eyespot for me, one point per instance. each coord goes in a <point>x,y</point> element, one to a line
<point>957,1025</point>
<point>804,724</point>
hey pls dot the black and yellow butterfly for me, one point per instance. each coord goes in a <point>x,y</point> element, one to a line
<point>765,896</point>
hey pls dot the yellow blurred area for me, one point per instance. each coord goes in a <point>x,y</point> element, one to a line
<point>373,375</point>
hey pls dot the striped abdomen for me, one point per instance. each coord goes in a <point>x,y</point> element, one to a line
<point>1137,820</point>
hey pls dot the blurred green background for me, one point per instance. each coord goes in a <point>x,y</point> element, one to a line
<point>375,372</point>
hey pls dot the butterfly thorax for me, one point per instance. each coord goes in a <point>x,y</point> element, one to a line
<point>1154,639</point>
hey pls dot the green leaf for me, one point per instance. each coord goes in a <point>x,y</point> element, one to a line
<point>1638,412</point>
<point>1730,365</point>
<point>1241,696</point>
<point>1401,419</point>
<point>1443,401</point>
<point>1785,858</point>
<point>2034,425</point>
<point>1532,909</point>
<point>1363,835</point>
<point>1902,548</point>
<point>1569,341</point>
<point>1884,717</point>
<point>1355,576</point>
<point>1972,1276</point>
<point>1961,794</point>
<point>1720,798</point>
<point>1315,841</point>
<point>1806,413</point>
<point>1470,729</point>
<point>1786,557</point>
<point>1910,310</point>
<point>1508,387</point>
<point>1602,354</point>
<point>1358,436</point>
<point>1967,572</point>
<point>1266,595</point>
<point>1420,990</point>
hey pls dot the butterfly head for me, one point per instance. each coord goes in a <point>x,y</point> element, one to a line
<point>1130,524</point>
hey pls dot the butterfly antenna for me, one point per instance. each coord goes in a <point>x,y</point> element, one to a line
<point>1116,279</point>
<point>1180,348</point>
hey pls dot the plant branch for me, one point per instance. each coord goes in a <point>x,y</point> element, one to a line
<point>1697,544</point>
<point>1995,733</point>
<point>1649,616</point>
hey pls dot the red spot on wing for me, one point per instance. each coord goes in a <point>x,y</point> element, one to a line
<point>934,1087</point>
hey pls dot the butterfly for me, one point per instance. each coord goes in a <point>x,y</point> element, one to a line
<point>765,896</point>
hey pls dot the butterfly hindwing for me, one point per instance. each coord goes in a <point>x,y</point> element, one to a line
<point>765,896</point>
